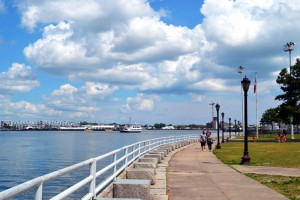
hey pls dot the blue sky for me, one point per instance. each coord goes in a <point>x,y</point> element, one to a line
<point>152,61</point>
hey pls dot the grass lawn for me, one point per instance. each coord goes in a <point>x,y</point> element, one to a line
<point>262,153</point>
<point>267,154</point>
<point>269,136</point>
<point>287,186</point>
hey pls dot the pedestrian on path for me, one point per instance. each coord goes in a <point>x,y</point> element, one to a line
<point>203,140</point>
<point>209,140</point>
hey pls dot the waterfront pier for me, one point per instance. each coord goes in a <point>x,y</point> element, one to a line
<point>186,173</point>
<point>193,174</point>
<point>160,169</point>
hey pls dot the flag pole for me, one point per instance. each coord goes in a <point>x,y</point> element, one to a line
<point>255,90</point>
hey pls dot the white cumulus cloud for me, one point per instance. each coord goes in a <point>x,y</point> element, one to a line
<point>125,45</point>
<point>18,78</point>
<point>140,103</point>
<point>108,51</point>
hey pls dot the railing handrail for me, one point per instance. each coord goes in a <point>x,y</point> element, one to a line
<point>132,152</point>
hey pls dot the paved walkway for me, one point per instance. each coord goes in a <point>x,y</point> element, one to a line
<point>195,175</point>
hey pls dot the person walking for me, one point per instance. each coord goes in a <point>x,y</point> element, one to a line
<point>203,140</point>
<point>284,134</point>
<point>209,140</point>
<point>280,135</point>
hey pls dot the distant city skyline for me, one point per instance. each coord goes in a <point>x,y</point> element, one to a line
<point>97,126</point>
<point>152,61</point>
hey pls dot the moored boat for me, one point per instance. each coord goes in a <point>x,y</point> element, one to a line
<point>131,128</point>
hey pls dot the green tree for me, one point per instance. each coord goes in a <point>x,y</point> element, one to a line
<point>84,123</point>
<point>270,116</point>
<point>159,126</point>
<point>6,126</point>
<point>290,86</point>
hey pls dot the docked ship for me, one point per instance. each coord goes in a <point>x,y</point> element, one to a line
<point>131,128</point>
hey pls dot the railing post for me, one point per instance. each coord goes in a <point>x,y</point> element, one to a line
<point>39,192</point>
<point>139,149</point>
<point>126,160</point>
<point>145,146</point>
<point>135,153</point>
<point>115,166</point>
<point>93,174</point>
<point>149,145</point>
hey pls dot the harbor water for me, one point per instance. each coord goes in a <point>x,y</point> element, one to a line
<point>26,155</point>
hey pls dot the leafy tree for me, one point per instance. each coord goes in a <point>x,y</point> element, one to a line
<point>290,85</point>
<point>270,116</point>
<point>84,123</point>
<point>6,126</point>
<point>159,126</point>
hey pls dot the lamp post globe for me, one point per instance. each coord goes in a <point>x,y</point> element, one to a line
<point>245,84</point>
<point>218,127</point>
<point>222,114</point>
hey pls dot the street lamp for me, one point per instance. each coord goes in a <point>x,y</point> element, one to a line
<point>229,127</point>
<point>289,47</point>
<point>240,71</point>
<point>235,127</point>
<point>245,84</point>
<point>218,144</point>
<point>222,114</point>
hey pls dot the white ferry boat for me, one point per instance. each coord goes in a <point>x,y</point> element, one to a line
<point>131,128</point>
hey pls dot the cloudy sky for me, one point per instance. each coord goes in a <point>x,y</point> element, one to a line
<point>149,60</point>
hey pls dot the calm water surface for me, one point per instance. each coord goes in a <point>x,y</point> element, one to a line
<point>27,155</point>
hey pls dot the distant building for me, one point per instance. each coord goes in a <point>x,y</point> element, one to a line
<point>168,128</point>
<point>5,124</point>
<point>215,123</point>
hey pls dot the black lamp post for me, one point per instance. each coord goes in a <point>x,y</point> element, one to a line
<point>229,127</point>
<point>245,84</point>
<point>222,114</point>
<point>218,144</point>
<point>235,127</point>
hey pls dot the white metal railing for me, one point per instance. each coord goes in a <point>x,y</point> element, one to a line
<point>128,154</point>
